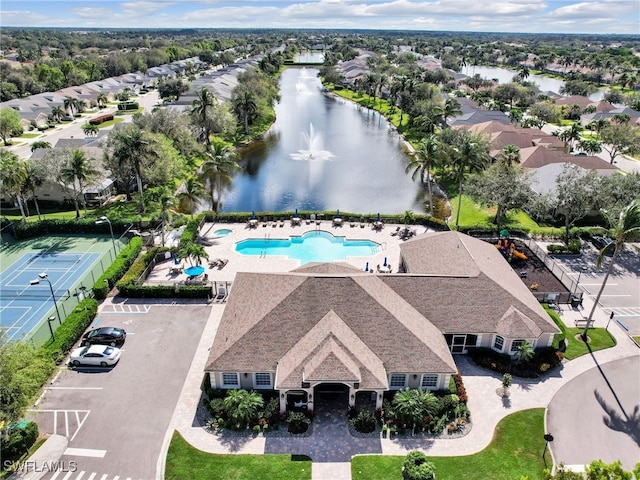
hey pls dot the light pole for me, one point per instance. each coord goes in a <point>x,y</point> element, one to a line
<point>102,220</point>
<point>583,269</point>
<point>44,276</point>
<point>547,438</point>
<point>49,320</point>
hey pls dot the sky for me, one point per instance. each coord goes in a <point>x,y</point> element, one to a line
<point>531,16</point>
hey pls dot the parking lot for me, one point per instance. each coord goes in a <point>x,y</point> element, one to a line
<point>115,418</point>
<point>622,292</point>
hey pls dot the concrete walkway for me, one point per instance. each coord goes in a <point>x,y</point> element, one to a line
<point>486,406</point>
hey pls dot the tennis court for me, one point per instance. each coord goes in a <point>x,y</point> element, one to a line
<point>32,270</point>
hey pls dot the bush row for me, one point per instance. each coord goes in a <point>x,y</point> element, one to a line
<point>543,360</point>
<point>118,268</point>
<point>23,230</point>
<point>573,248</point>
<point>71,329</point>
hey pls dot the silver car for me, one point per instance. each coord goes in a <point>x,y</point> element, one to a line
<point>102,355</point>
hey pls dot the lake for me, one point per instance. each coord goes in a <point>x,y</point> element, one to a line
<point>323,153</point>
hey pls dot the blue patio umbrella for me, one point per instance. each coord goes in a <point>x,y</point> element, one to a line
<point>194,271</point>
<point>366,268</point>
<point>385,262</point>
<point>337,213</point>
<point>378,219</point>
<point>253,215</point>
<point>296,214</point>
<point>175,259</point>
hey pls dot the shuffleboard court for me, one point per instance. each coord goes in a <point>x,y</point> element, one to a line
<point>72,263</point>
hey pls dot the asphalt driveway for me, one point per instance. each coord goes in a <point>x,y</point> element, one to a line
<point>116,418</point>
<point>597,416</point>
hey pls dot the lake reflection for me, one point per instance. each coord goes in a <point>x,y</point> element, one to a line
<point>323,153</point>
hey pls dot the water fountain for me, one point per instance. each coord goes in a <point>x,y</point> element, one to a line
<point>313,151</point>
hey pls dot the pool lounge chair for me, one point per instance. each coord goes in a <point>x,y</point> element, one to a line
<point>214,263</point>
<point>222,263</point>
<point>221,295</point>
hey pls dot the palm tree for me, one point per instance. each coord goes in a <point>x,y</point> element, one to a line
<point>70,105</point>
<point>192,252</point>
<point>242,406</point>
<point>524,352</point>
<point>90,130</point>
<point>471,153</point>
<point>78,171</point>
<point>34,179</point>
<point>219,164</point>
<point>428,152</point>
<point>57,113</point>
<point>167,208</point>
<point>245,107</point>
<point>134,147</point>
<point>626,228</point>
<point>191,193</point>
<point>451,109</point>
<point>510,156</point>
<point>102,99</point>
<point>201,110</point>
<point>413,405</point>
<point>13,174</point>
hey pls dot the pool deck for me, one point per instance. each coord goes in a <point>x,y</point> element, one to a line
<point>224,248</point>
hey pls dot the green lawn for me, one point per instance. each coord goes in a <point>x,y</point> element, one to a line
<point>515,451</point>
<point>30,135</point>
<point>186,462</point>
<point>600,338</point>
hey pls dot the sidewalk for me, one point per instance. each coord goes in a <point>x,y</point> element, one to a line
<point>487,408</point>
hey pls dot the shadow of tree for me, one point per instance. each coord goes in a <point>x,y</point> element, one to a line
<point>625,423</point>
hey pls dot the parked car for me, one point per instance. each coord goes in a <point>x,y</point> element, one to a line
<point>600,242</point>
<point>104,336</point>
<point>102,355</point>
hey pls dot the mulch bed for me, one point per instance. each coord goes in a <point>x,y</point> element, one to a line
<point>536,271</point>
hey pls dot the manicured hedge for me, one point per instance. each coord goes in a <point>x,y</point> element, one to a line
<point>71,329</point>
<point>543,360</point>
<point>22,230</point>
<point>118,268</point>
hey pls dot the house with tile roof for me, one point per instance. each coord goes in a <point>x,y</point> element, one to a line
<point>330,326</point>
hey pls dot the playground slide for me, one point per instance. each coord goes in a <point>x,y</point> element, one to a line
<point>519,255</point>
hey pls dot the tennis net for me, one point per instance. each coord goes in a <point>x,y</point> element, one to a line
<point>31,292</point>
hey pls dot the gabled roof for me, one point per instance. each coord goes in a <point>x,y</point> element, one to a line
<point>536,157</point>
<point>301,323</point>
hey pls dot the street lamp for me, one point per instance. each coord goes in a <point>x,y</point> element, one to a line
<point>102,220</point>
<point>583,269</point>
<point>44,276</point>
<point>49,320</point>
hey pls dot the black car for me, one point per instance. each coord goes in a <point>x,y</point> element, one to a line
<point>104,336</point>
<point>600,242</point>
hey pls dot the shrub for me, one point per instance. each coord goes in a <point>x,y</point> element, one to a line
<point>461,391</point>
<point>364,422</point>
<point>298,422</point>
<point>19,438</point>
<point>71,329</point>
<point>118,268</point>
<point>417,467</point>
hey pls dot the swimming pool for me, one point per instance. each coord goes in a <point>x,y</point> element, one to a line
<point>223,232</point>
<point>316,246</point>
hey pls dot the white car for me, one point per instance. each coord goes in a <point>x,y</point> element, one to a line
<point>102,355</point>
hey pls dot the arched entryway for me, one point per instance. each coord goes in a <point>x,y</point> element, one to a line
<point>331,395</point>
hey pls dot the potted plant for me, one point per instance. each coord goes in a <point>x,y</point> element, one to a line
<point>507,381</point>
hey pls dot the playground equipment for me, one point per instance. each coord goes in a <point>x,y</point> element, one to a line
<point>508,248</point>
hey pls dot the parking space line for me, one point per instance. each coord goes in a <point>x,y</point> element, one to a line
<point>80,475</point>
<point>85,452</point>
<point>80,423</point>
<point>92,476</point>
<point>68,475</point>
<point>66,423</point>
<point>55,475</point>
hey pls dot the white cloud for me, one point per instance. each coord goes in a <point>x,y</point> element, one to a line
<point>597,9</point>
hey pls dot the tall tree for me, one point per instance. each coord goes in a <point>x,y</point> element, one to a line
<point>620,140</point>
<point>510,156</point>
<point>13,173</point>
<point>245,107</point>
<point>191,193</point>
<point>9,124</point>
<point>429,153</point>
<point>625,229</point>
<point>219,165</point>
<point>201,111</point>
<point>79,171</point>
<point>133,147</point>
<point>35,177</point>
